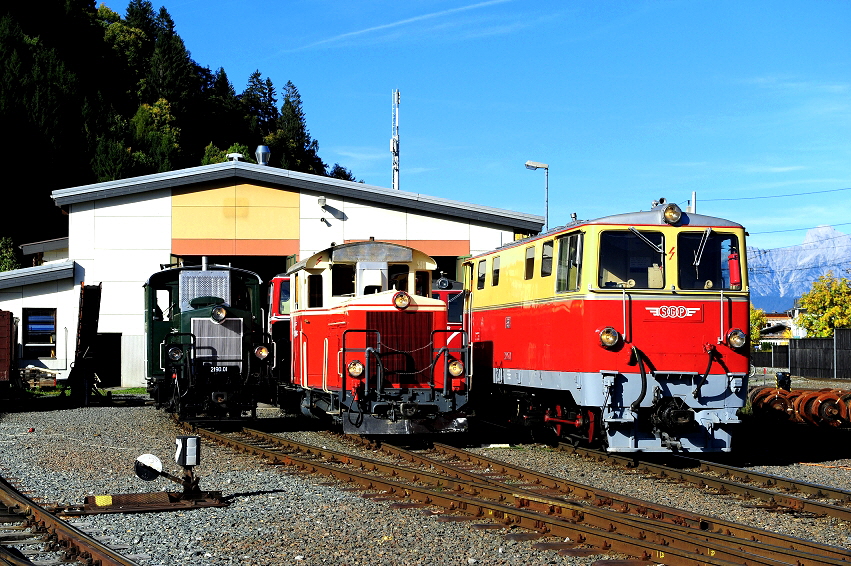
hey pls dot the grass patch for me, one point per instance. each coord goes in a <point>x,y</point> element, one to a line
<point>131,391</point>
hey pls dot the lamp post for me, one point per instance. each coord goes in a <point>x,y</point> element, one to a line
<point>535,165</point>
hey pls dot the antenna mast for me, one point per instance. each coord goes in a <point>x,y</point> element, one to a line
<point>394,140</point>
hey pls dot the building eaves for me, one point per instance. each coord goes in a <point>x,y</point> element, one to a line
<point>302,181</point>
<point>38,274</point>
<point>45,246</point>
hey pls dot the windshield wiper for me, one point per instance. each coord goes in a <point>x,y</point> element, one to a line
<point>656,248</point>
<point>699,253</point>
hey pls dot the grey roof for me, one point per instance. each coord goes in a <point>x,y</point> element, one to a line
<point>38,274</point>
<point>300,181</point>
<point>45,246</point>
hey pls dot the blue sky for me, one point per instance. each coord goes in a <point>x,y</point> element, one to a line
<point>627,101</point>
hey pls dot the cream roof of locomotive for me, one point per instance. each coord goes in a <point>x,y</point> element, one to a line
<point>389,252</point>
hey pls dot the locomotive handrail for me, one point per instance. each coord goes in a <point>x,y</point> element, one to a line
<point>185,361</point>
<point>366,352</point>
<point>639,356</point>
<point>464,350</point>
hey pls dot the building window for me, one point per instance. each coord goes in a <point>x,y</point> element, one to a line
<point>39,333</point>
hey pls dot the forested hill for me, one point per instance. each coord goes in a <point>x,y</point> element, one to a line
<point>88,95</point>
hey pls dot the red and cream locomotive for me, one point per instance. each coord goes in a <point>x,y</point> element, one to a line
<point>628,330</point>
<point>370,347</point>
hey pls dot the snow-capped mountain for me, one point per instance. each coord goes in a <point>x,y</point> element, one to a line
<point>781,275</point>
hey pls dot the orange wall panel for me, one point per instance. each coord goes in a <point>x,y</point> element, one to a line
<point>234,247</point>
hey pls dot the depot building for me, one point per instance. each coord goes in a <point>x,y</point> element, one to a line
<point>255,217</point>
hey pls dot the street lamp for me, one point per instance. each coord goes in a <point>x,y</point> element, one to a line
<point>535,165</point>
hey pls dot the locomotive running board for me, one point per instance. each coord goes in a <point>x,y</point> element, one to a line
<point>141,503</point>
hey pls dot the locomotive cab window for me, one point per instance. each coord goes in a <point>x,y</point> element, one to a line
<point>342,280</point>
<point>314,291</point>
<point>547,258</point>
<point>398,276</point>
<point>284,307</point>
<point>632,259</point>
<point>163,306</point>
<point>569,260</point>
<point>422,284</point>
<point>480,276</point>
<point>530,262</point>
<point>708,260</point>
<point>495,272</point>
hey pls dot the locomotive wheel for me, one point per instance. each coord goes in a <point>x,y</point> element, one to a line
<point>557,412</point>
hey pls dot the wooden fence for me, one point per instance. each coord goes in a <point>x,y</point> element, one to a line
<point>815,357</point>
<point>778,357</point>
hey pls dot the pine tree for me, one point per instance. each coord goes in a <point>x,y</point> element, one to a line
<point>292,139</point>
<point>260,103</point>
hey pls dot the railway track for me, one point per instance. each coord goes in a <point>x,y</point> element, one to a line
<point>774,491</point>
<point>467,487</point>
<point>32,536</point>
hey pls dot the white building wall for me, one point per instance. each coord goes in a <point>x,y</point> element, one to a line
<point>346,220</point>
<point>122,241</point>
<point>485,237</point>
<point>60,295</point>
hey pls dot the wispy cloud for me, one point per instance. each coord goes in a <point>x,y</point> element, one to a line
<point>374,30</point>
<point>362,154</point>
<point>769,169</point>
<point>792,84</point>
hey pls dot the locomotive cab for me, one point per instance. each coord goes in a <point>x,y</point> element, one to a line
<point>371,348</point>
<point>206,350</point>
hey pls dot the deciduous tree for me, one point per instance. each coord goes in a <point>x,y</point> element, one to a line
<point>827,305</point>
<point>757,324</point>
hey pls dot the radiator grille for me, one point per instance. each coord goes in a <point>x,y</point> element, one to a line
<point>220,344</point>
<point>194,284</point>
<point>405,345</point>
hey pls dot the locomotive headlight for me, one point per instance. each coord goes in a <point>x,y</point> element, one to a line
<point>609,337</point>
<point>218,314</point>
<point>672,213</point>
<point>355,368</point>
<point>401,300</point>
<point>175,353</point>
<point>456,368</point>
<point>736,338</point>
<point>262,352</point>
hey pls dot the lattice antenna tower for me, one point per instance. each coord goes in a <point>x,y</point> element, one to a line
<point>394,139</point>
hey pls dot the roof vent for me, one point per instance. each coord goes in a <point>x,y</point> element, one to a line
<point>262,154</point>
<point>235,156</point>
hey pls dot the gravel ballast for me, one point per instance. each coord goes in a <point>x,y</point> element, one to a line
<point>276,517</point>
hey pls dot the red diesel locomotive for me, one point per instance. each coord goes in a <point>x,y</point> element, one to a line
<point>370,347</point>
<point>628,330</point>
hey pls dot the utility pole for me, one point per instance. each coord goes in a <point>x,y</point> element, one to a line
<point>394,139</point>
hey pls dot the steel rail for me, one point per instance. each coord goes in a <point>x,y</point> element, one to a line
<point>723,485</point>
<point>581,534</point>
<point>625,504</point>
<point>721,547</point>
<point>76,544</point>
<point>770,481</point>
